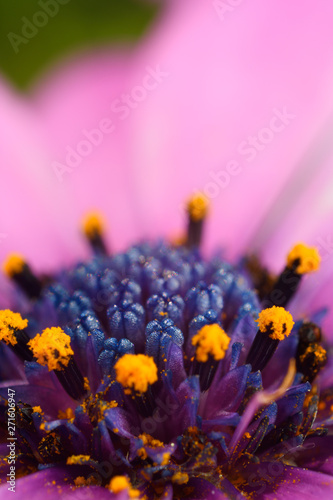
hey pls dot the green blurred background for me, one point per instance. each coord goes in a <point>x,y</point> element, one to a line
<point>76,25</point>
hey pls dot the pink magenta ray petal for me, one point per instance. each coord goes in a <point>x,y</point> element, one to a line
<point>86,136</point>
<point>218,89</point>
<point>27,222</point>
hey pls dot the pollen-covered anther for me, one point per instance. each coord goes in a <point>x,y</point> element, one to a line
<point>77,459</point>
<point>136,372</point>
<point>92,224</point>
<point>10,323</point>
<point>20,272</point>
<point>303,259</point>
<point>122,483</point>
<point>14,264</point>
<point>197,208</point>
<point>300,260</point>
<point>52,348</point>
<point>311,362</point>
<point>211,340</point>
<point>12,332</point>
<point>93,227</point>
<point>275,321</point>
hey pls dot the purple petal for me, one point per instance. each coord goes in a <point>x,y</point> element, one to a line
<point>226,393</point>
<point>316,454</point>
<point>274,480</point>
<point>54,483</point>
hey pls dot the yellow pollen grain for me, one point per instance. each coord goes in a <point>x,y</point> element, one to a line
<point>318,351</point>
<point>81,481</point>
<point>142,453</point>
<point>211,340</point>
<point>136,372</point>
<point>277,321</point>
<point>52,348</point>
<point>67,414</point>
<point>92,224</point>
<point>37,409</point>
<point>180,478</point>
<point>166,458</point>
<point>77,459</point>
<point>197,207</point>
<point>10,323</point>
<point>148,440</point>
<point>121,483</point>
<point>13,264</point>
<point>86,384</point>
<point>308,257</point>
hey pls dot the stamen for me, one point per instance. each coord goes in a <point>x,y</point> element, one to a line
<point>20,272</point>
<point>136,372</point>
<point>12,333</point>
<point>303,259</point>
<point>197,208</point>
<point>300,260</point>
<point>52,349</point>
<point>93,228</point>
<point>211,345</point>
<point>308,333</point>
<point>311,362</point>
<point>274,324</point>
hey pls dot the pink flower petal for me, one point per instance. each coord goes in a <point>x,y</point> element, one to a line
<point>28,224</point>
<point>227,80</point>
<point>88,141</point>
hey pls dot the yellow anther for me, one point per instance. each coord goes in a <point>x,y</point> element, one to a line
<point>121,483</point>
<point>211,340</point>
<point>13,264</point>
<point>77,459</point>
<point>10,323</point>
<point>93,224</point>
<point>197,207</point>
<point>136,371</point>
<point>52,348</point>
<point>276,321</point>
<point>308,258</point>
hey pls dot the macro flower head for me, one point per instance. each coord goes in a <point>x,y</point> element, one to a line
<point>188,355</point>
